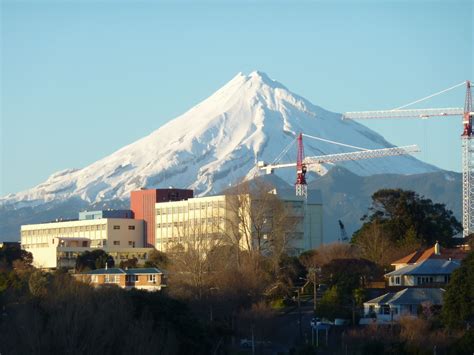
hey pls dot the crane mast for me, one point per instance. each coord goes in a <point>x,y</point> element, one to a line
<point>467,166</point>
<point>466,138</point>
<point>300,186</point>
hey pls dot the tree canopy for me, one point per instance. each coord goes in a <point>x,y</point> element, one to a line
<point>91,260</point>
<point>399,217</point>
<point>458,306</point>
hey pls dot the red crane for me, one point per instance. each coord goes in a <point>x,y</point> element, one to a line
<point>300,185</point>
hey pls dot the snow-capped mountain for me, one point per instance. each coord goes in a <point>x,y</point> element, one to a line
<point>217,142</point>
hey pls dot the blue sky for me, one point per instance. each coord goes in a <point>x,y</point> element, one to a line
<point>80,79</point>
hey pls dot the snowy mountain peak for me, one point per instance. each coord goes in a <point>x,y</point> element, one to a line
<point>217,142</point>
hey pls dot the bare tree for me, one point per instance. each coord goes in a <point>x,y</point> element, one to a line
<point>258,221</point>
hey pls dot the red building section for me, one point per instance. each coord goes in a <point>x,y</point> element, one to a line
<point>142,203</point>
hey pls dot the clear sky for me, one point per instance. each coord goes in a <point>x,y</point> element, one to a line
<point>80,79</point>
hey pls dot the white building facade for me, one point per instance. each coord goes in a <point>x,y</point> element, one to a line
<point>221,220</point>
<point>56,244</point>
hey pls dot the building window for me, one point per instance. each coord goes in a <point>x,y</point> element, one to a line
<point>116,227</point>
<point>116,242</point>
<point>131,227</point>
<point>94,279</point>
<point>397,280</point>
<point>132,278</point>
<point>152,278</point>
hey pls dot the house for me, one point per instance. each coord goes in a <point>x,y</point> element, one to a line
<point>428,273</point>
<point>150,279</point>
<point>407,302</point>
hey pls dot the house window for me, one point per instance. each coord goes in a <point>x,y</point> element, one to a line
<point>94,279</point>
<point>152,278</point>
<point>397,280</point>
<point>116,227</point>
<point>116,242</point>
<point>131,227</point>
<point>385,309</point>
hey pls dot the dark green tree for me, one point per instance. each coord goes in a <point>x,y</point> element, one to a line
<point>11,252</point>
<point>91,260</point>
<point>157,259</point>
<point>129,263</point>
<point>404,217</point>
<point>458,307</point>
<point>349,274</point>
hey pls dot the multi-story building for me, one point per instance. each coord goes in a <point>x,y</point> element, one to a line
<point>142,203</point>
<point>231,218</point>
<point>57,244</point>
<point>150,279</point>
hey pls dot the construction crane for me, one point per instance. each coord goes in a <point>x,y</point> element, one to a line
<point>302,162</point>
<point>466,138</point>
<point>343,236</point>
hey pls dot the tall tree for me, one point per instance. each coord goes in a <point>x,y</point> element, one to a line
<point>458,306</point>
<point>399,218</point>
<point>91,260</point>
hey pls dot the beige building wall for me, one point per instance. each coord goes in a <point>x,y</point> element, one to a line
<point>112,234</point>
<point>197,220</point>
<point>214,219</point>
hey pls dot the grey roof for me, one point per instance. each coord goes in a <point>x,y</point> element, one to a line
<point>411,296</point>
<point>428,267</point>
<point>109,271</point>
<point>118,271</point>
<point>147,270</point>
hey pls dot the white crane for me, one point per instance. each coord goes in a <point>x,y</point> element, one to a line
<point>467,141</point>
<point>302,162</point>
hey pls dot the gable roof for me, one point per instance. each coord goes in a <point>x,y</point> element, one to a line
<point>428,267</point>
<point>119,271</point>
<point>422,255</point>
<point>411,296</point>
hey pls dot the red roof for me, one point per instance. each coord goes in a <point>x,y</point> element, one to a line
<point>422,255</point>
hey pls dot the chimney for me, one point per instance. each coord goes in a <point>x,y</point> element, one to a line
<point>106,265</point>
<point>437,249</point>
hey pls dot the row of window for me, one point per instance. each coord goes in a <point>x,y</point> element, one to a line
<point>129,227</point>
<point>57,231</point>
<point>115,279</point>
<point>193,222</point>
<point>190,207</point>
<point>53,231</point>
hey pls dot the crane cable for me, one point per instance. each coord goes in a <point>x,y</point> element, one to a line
<point>430,96</point>
<point>283,152</point>
<point>334,142</point>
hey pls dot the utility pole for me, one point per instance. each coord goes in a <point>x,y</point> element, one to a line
<point>299,314</point>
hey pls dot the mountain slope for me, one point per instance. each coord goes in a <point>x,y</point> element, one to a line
<point>347,196</point>
<point>216,142</point>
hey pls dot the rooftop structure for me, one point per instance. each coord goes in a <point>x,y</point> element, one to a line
<point>105,214</point>
<point>435,252</point>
